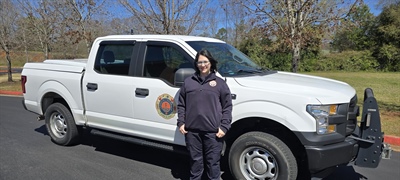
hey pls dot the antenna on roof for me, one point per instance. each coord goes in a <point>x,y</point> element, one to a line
<point>131,31</point>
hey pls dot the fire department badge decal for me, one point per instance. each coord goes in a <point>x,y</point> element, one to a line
<point>165,106</point>
<point>213,83</point>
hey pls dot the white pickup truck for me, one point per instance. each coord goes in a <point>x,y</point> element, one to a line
<point>285,125</point>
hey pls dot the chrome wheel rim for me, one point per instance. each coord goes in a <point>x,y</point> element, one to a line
<point>58,125</point>
<point>258,163</point>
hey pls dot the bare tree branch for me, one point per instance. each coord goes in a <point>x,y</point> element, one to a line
<point>166,16</point>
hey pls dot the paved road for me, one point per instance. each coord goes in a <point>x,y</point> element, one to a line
<point>3,70</point>
<point>26,152</point>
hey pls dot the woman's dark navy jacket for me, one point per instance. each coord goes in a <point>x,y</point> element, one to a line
<point>205,105</point>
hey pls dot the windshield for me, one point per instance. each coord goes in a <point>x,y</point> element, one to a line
<point>231,62</point>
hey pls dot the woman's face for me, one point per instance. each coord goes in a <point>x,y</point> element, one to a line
<point>204,65</point>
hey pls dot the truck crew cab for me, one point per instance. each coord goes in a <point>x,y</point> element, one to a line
<point>284,124</point>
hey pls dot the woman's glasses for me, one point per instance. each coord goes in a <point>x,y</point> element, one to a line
<point>203,62</point>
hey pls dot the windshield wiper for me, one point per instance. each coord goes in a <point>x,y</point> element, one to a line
<point>263,69</point>
<point>248,71</point>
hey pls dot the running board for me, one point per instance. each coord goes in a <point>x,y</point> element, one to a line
<point>140,141</point>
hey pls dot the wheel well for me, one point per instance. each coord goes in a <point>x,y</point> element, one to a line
<point>271,127</point>
<point>51,98</point>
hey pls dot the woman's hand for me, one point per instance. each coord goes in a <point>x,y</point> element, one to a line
<point>182,129</point>
<point>220,133</point>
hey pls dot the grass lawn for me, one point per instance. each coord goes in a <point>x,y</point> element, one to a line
<point>11,86</point>
<point>386,87</point>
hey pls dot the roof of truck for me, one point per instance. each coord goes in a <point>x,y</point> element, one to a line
<point>154,36</point>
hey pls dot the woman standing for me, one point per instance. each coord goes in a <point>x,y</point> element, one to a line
<point>204,116</point>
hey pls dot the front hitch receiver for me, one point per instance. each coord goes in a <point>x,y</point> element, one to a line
<point>387,151</point>
<point>371,146</point>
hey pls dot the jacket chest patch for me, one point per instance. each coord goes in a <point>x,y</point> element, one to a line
<point>213,83</point>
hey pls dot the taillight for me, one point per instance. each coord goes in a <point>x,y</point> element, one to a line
<point>23,81</point>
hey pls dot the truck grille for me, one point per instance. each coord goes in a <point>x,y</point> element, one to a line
<point>352,116</point>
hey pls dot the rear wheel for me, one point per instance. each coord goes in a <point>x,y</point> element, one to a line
<point>258,155</point>
<point>60,125</point>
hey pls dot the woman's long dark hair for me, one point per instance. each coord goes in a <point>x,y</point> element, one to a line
<point>208,55</point>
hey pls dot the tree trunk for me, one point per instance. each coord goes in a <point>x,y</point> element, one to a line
<point>9,72</point>
<point>25,44</point>
<point>295,55</point>
<point>46,51</point>
<point>88,45</point>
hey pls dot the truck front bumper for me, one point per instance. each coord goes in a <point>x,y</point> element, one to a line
<point>323,157</point>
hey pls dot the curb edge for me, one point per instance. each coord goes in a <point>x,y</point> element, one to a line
<point>15,93</point>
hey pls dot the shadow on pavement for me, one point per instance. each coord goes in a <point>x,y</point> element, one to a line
<point>177,163</point>
<point>348,170</point>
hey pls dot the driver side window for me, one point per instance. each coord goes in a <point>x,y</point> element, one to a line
<point>163,61</point>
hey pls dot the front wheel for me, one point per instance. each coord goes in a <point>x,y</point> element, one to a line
<point>60,125</point>
<point>261,156</point>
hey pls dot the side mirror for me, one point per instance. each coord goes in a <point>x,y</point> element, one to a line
<point>181,74</point>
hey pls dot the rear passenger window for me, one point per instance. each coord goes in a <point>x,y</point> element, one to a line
<point>114,59</point>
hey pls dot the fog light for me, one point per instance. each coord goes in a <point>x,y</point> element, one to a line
<point>331,128</point>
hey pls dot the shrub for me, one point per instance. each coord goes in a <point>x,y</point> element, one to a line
<point>347,61</point>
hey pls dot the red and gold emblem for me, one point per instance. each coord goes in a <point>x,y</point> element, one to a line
<point>165,106</point>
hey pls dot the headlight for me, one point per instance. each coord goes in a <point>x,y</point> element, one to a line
<point>321,114</point>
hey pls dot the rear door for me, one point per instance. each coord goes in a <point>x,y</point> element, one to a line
<point>109,88</point>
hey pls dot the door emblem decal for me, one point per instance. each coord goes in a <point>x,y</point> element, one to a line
<point>165,106</point>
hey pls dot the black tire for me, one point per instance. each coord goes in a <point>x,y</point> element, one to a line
<point>258,155</point>
<point>61,125</point>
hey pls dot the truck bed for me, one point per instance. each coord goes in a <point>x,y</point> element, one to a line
<point>76,66</point>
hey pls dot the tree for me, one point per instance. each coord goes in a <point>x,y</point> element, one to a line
<point>78,16</point>
<point>354,32</point>
<point>387,38</point>
<point>255,45</point>
<point>289,19</point>
<point>210,22</point>
<point>221,34</point>
<point>166,16</point>
<point>8,18</point>
<point>42,20</point>
<point>236,21</point>
<point>386,3</point>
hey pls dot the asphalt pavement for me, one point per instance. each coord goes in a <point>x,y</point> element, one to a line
<point>26,152</point>
<point>4,70</point>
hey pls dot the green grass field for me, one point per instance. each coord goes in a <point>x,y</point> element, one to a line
<point>386,87</point>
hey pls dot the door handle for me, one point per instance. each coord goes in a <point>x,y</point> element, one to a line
<point>142,92</point>
<point>91,86</point>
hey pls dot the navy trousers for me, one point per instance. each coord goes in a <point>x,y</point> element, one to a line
<point>204,148</point>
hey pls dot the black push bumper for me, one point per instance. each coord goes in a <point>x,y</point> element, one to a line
<point>365,145</point>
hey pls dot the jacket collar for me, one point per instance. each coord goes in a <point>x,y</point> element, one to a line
<point>208,78</point>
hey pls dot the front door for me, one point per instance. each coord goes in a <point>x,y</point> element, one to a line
<point>156,96</point>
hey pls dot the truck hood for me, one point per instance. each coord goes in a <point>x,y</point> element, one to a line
<point>326,91</point>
